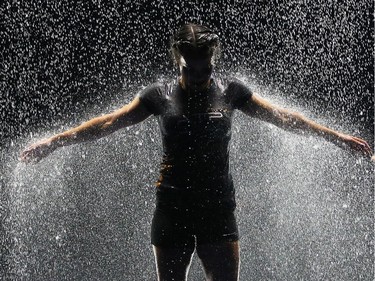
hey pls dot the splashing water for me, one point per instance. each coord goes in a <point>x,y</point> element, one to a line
<point>305,207</point>
<point>83,213</point>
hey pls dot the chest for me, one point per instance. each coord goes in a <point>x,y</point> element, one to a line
<point>206,117</point>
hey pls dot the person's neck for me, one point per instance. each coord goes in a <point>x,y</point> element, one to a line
<point>186,88</point>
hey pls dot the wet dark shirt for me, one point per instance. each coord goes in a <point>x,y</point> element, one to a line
<point>196,131</point>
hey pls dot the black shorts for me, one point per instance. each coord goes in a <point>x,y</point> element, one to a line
<point>178,228</point>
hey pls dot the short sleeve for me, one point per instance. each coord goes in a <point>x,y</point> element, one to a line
<point>152,98</point>
<point>237,93</point>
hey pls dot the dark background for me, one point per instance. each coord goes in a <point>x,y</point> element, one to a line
<point>58,58</point>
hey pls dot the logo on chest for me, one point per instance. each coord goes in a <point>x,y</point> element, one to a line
<point>202,124</point>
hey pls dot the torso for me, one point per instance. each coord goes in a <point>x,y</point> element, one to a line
<point>196,131</point>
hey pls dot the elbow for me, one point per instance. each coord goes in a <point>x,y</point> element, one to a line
<point>99,127</point>
<point>297,117</point>
<point>300,124</point>
<point>109,124</point>
<point>292,121</point>
<point>112,123</point>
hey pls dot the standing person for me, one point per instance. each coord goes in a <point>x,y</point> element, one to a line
<point>195,198</point>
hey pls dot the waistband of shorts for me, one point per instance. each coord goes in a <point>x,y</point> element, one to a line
<point>195,201</point>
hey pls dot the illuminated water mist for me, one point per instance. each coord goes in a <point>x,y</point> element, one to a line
<point>305,207</point>
<point>84,213</point>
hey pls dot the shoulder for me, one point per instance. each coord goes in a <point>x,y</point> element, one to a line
<point>151,90</point>
<point>236,92</point>
<point>154,95</point>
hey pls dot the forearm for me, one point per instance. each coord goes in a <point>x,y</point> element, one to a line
<point>298,123</point>
<point>87,131</point>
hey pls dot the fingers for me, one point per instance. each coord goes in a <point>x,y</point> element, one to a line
<point>26,155</point>
<point>29,155</point>
<point>366,148</point>
<point>361,146</point>
<point>35,152</point>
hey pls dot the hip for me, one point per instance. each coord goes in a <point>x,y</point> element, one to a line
<point>194,200</point>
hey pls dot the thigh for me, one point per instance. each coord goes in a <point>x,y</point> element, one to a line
<point>173,263</point>
<point>172,229</point>
<point>221,260</point>
<point>173,243</point>
<point>215,227</point>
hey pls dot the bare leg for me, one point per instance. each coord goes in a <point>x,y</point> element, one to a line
<point>220,261</point>
<point>172,263</point>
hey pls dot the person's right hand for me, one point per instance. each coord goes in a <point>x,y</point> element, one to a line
<point>37,151</point>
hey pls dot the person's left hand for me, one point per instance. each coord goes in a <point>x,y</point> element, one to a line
<point>357,144</point>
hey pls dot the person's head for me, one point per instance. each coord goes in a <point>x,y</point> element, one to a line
<point>195,49</point>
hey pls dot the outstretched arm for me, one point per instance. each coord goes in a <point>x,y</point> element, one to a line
<point>93,129</point>
<point>296,122</point>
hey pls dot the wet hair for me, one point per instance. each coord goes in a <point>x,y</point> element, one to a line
<point>195,40</point>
